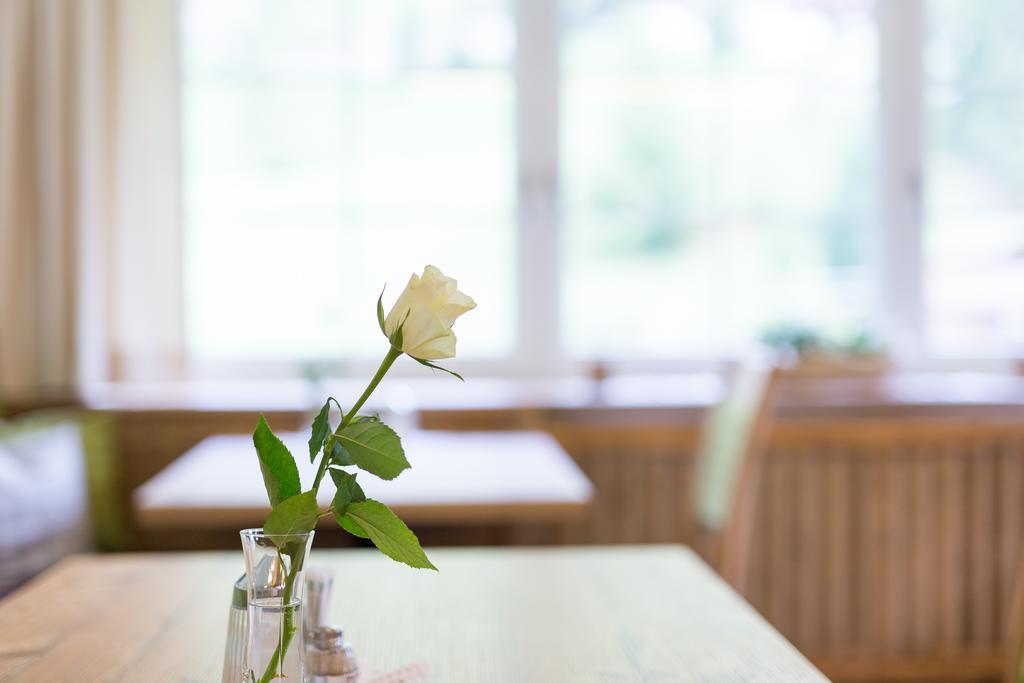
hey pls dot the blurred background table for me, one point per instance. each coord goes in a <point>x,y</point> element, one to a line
<point>457,478</point>
<point>570,614</point>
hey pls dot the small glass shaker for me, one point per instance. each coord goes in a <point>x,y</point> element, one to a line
<point>328,659</point>
<point>238,633</point>
<point>319,581</point>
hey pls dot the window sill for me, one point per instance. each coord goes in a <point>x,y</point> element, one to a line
<point>619,392</point>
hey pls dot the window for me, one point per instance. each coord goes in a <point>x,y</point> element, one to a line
<point>974,206</point>
<point>328,151</point>
<point>718,156</point>
<point>702,170</point>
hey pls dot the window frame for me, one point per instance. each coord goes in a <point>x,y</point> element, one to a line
<point>899,233</point>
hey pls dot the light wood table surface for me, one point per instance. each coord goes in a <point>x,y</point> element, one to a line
<point>629,613</point>
<point>456,478</point>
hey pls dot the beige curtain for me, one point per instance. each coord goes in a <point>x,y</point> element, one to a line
<point>89,229</point>
<point>53,96</point>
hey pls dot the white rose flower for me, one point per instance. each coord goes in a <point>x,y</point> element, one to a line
<point>429,306</point>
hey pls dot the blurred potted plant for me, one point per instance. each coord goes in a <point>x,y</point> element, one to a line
<point>803,351</point>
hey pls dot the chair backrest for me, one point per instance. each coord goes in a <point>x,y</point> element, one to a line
<point>729,456</point>
<point>1013,671</point>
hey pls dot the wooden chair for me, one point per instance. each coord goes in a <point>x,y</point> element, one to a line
<point>729,455</point>
<point>1013,671</point>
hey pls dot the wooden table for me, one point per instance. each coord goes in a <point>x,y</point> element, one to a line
<point>653,613</point>
<point>456,478</point>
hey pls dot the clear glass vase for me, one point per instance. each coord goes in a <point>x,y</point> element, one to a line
<point>273,565</point>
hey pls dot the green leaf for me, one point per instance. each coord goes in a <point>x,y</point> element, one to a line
<point>321,428</point>
<point>339,456</point>
<point>348,491</point>
<point>435,366</point>
<point>351,526</point>
<point>295,515</point>
<point>397,338</point>
<point>280,475</point>
<point>295,548</point>
<point>374,447</point>
<point>380,312</point>
<point>389,533</point>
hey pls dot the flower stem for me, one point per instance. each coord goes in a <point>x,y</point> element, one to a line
<point>287,626</point>
<point>385,365</point>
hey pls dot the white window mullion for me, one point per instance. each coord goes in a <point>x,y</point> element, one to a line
<point>537,116</point>
<point>900,255</point>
